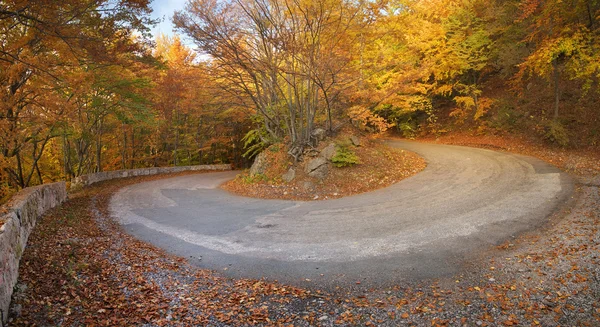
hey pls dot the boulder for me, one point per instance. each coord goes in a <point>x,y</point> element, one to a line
<point>317,168</point>
<point>329,151</point>
<point>308,186</point>
<point>318,134</point>
<point>355,140</point>
<point>260,164</point>
<point>289,176</point>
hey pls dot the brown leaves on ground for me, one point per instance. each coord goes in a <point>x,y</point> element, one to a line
<point>81,269</point>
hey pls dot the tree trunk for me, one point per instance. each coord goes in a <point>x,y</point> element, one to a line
<point>67,157</point>
<point>175,161</point>
<point>132,160</point>
<point>124,148</point>
<point>556,87</point>
<point>19,173</point>
<point>99,147</point>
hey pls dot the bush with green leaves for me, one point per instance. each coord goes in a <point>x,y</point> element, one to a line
<point>252,179</point>
<point>555,132</point>
<point>344,157</point>
<point>507,118</point>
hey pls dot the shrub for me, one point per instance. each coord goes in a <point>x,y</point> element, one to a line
<point>252,179</point>
<point>507,118</point>
<point>408,129</point>
<point>555,132</point>
<point>344,157</point>
<point>274,148</point>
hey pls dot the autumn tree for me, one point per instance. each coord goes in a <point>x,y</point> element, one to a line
<point>197,122</point>
<point>284,57</point>
<point>427,50</point>
<point>565,38</point>
<point>43,43</point>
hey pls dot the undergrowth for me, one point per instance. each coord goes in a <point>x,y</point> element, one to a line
<point>344,156</point>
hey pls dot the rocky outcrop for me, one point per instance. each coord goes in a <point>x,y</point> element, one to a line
<point>260,164</point>
<point>329,151</point>
<point>20,216</point>
<point>319,134</point>
<point>355,140</point>
<point>289,175</point>
<point>317,167</point>
<point>86,180</point>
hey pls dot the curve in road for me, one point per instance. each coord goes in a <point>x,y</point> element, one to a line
<point>466,200</point>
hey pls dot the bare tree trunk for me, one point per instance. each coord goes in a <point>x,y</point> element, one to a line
<point>36,155</point>
<point>124,148</point>
<point>19,173</point>
<point>175,159</point>
<point>99,147</point>
<point>67,157</point>
<point>39,173</point>
<point>556,87</point>
<point>590,16</point>
<point>132,159</point>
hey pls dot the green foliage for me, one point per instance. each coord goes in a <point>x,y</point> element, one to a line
<point>409,121</point>
<point>555,132</point>
<point>344,157</point>
<point>274,148</point>
<point>252,179</point>
<point>506,118</point>
<point>254,143</point>
<point>408,129</point>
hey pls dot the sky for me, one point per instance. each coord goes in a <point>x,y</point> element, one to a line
<point>164,9</point>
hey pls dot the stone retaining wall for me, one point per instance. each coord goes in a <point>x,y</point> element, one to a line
<point>90,179</point>
<point>20,214</point>
<point>17,219</point>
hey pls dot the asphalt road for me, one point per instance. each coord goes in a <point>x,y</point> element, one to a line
<point>466,201</point>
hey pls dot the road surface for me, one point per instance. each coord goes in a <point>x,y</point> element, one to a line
<point>466,201</point>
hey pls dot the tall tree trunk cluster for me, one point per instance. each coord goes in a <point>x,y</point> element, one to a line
<point>285,56</point>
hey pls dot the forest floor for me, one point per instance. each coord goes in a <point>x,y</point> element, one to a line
<point>80,268</point>
<point>379,166</point>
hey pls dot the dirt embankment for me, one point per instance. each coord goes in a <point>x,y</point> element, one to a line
<point>353,168</point>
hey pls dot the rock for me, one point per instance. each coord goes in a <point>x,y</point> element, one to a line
<point>308,186</point>
<point>323,318</point>
<point>289,176</point>
<point>329,151</point>
<point>315,164</point>
<point>21,288</point>
<point>355,140</point>
<point>318,134</point>
<point>260,164</point>
<point>16,310</point>
<point>317,168</point>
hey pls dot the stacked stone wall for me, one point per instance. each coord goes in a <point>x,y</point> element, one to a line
<point>19,216</point>
<point>90,179</point>
<point>17,219</point>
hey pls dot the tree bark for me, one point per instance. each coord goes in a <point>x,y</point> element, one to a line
<point>556,76</point>
<point>99,147</point>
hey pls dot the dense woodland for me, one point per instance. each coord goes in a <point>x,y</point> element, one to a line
<point>85,88</point>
